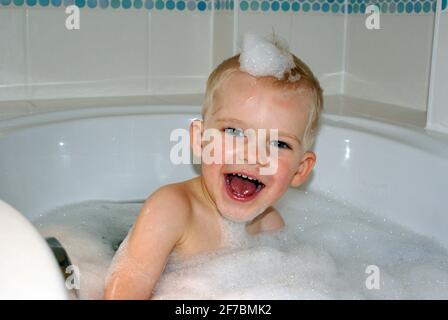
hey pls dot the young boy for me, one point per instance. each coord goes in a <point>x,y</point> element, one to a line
<point>187,217</point>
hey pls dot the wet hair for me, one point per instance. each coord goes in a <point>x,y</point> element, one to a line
<point>306,80</point>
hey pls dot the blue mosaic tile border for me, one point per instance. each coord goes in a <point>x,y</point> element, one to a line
<point>325,6</point>
<point>179,5</point>
<point>338,6</point>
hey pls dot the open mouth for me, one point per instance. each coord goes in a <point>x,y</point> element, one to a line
<point>242,187</point>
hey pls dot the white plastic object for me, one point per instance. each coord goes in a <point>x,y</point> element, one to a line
<point>28,268</point>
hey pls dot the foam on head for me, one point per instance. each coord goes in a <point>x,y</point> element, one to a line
<point>262,57</point>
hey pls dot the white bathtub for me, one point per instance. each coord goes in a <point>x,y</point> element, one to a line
<point>122,153</point>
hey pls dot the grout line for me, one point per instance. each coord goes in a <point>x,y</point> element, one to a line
<point>236,9</point>
<point>148,53</point>
<point>211,38</point>
<point>291,16</point>
<point>344,48</point>
<point>27,47</point>
<point>432,70</point>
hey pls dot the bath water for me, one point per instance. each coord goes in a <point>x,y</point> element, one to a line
<point>323,253</point>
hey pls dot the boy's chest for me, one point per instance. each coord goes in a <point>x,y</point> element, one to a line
<point>209,231</point>
<point>203,235</point>
<point>212,233</point>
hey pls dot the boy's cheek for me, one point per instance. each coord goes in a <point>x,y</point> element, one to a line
<point>285,173</point>
<point>209,169</point>
<point>274,181</point>
<point>283,166</point>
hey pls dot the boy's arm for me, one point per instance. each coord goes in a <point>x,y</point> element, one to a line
<point>159,226</point>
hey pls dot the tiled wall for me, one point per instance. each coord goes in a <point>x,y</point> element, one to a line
<point>150,48</point>
<point>316,37</point>
<point>140,47</point>
<point>390,65</point>
<point>438,96</point>
<point>115,52</point>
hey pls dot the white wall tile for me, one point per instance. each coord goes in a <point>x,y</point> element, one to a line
<point>107,56</point>
<point>390,65</point>
<point>180,54</point>
<point>263,23</point>
<point>223,36</point>
<point>13,75</point>
<point>318,40</point>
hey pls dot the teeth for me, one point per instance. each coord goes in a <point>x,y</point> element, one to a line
<point>260,185</point>
<point>245,177</point>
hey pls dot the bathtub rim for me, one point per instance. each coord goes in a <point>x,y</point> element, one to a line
<point>412,136</point>
<point>398,135</point>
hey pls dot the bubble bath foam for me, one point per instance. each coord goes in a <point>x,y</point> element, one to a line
<point>323,252</point>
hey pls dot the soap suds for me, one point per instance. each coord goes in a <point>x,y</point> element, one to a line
<point>261,56</point>
<point>234,233</point>
<point>322,253</point>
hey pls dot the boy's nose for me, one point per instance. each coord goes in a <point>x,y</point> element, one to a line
<point>253,152</point>
<point>263,158</point>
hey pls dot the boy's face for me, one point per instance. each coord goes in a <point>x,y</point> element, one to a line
<point>244,102</point>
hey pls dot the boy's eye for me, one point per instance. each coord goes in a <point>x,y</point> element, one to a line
<point>234,132</point>
<point>280,144</point>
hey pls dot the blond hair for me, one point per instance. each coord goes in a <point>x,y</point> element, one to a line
<point>307,80</point>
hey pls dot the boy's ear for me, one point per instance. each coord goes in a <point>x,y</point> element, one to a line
<point>306,165</point>
<point>196,137</point>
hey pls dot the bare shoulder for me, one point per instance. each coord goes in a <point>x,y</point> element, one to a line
<point>169,207</point>
<point>271,221</point>
<point>171,201</point>
<point>171,196</point>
